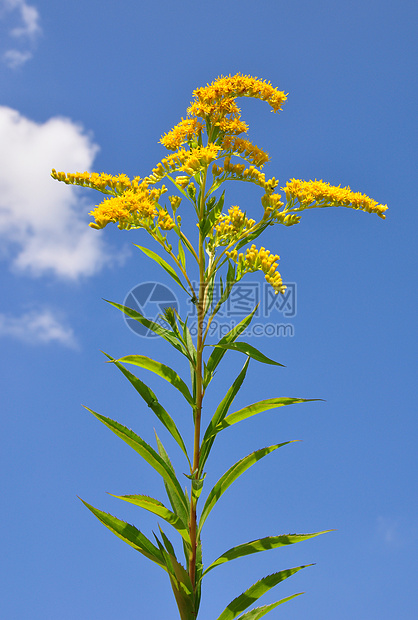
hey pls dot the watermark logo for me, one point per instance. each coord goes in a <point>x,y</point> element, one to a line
<point>149,299</point>
<point>246,296</point>
<point>152,298</point>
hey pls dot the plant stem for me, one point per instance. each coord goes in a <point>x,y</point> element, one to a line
<point>199,387</point>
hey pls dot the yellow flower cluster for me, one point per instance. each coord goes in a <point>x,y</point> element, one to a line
<point>102,182</point>
<point>322,194</point>
<point>181,133</point>
<point>272,205</point>
<point>191,162</point>
<point>134,208</point>
<point>214,110</point>
<point>255,260</point>
<point>165,221</point>
<point>233,170</point>
<point>246,149</point>
<point>232,125</point>
<point>183,181</point>
<point>216,102</point>
<point>238,172</point>
<point>227,88</point>
<point>229,228</point>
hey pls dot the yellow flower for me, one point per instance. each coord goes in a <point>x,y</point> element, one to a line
<point>137,207</point>
<point>216,102</point>
<point>226,88</point>
<point>181,133</point>
<point>255,260</point>
<point>246,149</point>
<point>190,161</point>
<point>215,110</point>
<point>321,194</point>
<point>165,221</point>
<point>123,210</point>
<point>229,228</point>
<point>103,182</point>
<point>232,125</point>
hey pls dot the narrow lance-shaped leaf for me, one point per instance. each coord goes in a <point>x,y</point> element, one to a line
<point>260,228</point>
<point>262,544</point>
<point>162,370</point>
<point>180,508</point>
<point>181,256</point>
<point>259,612</point>
<point>187,339</point>
<point>231,475</point>
<point>213,213</point>
<point>152,402</point>
<point>225,291</point>
<point>160,261</point>
<point>253,593</point>
<point>180,581</point>
<point>167,543</point>
<point>218,352</point>
<point>262,405</point>
<point>157,508</point>
<point>129,534</point>
<point>219,415</point>
<point>209,295</point>
<point>184,583</point>
<point>146,451</point>
<point>158,329</point>
<point>249,350</point>
<point>199,570</point>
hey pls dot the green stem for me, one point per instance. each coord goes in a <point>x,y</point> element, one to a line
<point>199,388</point>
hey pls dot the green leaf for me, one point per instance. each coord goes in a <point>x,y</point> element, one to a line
<point>198,588</point>
<point>249,350</point>
<point>262,544</point>
<point>167,543</point>
<point>215,209</point>
<point>218,352</point>
<point>187,340</point>
<point>262,405</point>
<point>157,508</point>
<point>231,475</point>
<point>162,370</point>
<point>181,255</point>
<point>219,415</point>
<point>158,329</point>
<point>129,534</point>
<point>197,483</point>
<point>209,294</point>
<point>180,581</point>
<point>146,451</point>
<point>225,292</point>
<point>253,593</point>
<point>160,261</point>
<point>259,612</point>
<point>261,228</point>
<point>152,402</point>
<point>180,508</point>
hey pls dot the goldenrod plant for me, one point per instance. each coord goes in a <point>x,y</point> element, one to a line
<point>207,149</point>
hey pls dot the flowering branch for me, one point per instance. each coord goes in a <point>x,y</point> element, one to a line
<point>205,148</point>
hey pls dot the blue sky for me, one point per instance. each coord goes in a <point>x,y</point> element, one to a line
<point>87,85</point>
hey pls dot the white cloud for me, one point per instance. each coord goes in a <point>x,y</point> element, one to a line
<point>25,32</point>
<point>30,20</point>
<point>15,59</point>
<point>37,327</point>
<point>44,223</point>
